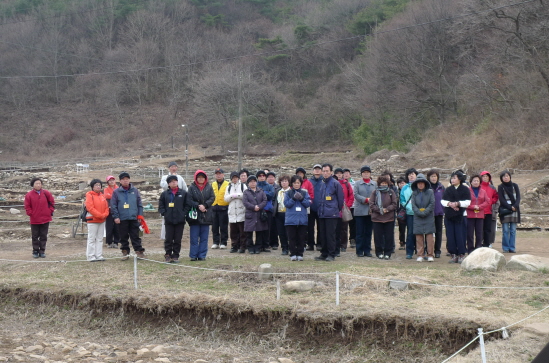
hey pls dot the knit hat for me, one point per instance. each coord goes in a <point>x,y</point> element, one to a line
<point>252,177</point>
<point>338,170</point>
<point>346,169</point>
<point>300,170</point>
<point>365,168</point>
<point>172,163</point>
<point>271,173</point>
<point>123,175</point>
<point>234,174</point>
<point>170,178</point>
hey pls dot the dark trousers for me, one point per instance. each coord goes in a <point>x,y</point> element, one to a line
<point>410,237</point>
<point>220,226</point>
<point>274,232</point>
<point>455,236</point>
<point>402,233</point>
<point>313,219</point>
<point>343,233</point>
<point>39,233</point>
<point>111,231</point>
<point>280,219</point>
<point>267,238</point>
<point>238,236</point>
<point>364,228</point>
<point>260,238</point>
<point>474,229</point>
<point>352,227</point>
<point>129,230</point>
<point>327,236</point>
<point>439,220</point>
<point>297,238</point>
<point>172,243</point>
<point>487,230</point>
<point>384,238</point>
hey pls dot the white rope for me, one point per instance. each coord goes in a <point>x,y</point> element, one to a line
<point>459,351</point>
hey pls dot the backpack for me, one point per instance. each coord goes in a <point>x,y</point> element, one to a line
<point>241,187</point>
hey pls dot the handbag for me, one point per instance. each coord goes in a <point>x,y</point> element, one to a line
<point>346,214</point>
<point>401,214</point>
<point>504,211</point>
<point>263,216</point>
<point>193,214</point>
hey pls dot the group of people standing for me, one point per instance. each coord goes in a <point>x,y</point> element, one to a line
<point>325,212</point>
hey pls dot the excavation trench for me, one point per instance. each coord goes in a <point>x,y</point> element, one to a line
<point>230,319</point>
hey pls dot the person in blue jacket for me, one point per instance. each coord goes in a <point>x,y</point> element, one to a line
<point>316,181</point>
<point>269,191</point>
<point>330,203</point>
<point>296,201</point>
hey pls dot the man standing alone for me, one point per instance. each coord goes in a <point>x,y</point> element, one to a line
<point>39,205</point>
<point>220,226</point>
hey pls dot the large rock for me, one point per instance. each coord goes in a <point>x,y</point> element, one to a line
<point>265,271</point>
<point>528,263</point>
<point>484,258</point>
<point>300,286</point>
<point>15,211</point>
<point>400,285</point>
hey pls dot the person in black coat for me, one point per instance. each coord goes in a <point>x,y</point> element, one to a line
<point>256,220</point>
<point>201,198</point>
<point>174,206</point>
<point>509,195</point>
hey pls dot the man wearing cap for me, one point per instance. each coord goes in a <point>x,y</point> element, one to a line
<point>269,192</point>
<point>330,202</point>
<point>126,206</point>
<point>316,181</point>
<point>220,226</point>
<point>111,228</point>
<point>172,167</point>
<point>364,226</point>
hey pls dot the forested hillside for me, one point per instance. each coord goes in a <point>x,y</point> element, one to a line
<point>79,76</point>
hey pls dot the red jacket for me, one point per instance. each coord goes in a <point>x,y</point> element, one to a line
<point>310,189</point>
<point>39,206</point>
<point>482,201</point>
<point>491,192</point>
<point>348,194</point>
<point>97,207</point>
<point>107,192</point>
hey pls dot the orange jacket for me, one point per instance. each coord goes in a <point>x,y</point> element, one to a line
<point>97,207</point>
<point>108,191</point>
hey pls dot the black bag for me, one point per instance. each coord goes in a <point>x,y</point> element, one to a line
<point>401,214</point>
<point>504,211</point>
<point>263,216</point>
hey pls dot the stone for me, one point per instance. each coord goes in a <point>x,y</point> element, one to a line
<point>484,258</point>
<point>400,285</point>
<point>121,354</point>
<point>145,353</point>
<point>158,349</point>
<point>285,360</point>
<point>34,348</point>
<point>200,361</point>
<point>15,211</point>
<point>166,360</point>
<point>528,263</point>
<point>541,329</point>
<point>35,356</point>
<point>265,271</point>
<point>299,286</point>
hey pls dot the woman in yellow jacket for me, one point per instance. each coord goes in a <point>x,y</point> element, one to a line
<point>98,211</point>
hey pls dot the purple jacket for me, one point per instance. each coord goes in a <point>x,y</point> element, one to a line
<point>438,189</point>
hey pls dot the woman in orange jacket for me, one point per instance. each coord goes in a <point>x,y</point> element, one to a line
<point>98,211</point>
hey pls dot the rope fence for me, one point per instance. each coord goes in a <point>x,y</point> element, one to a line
<point>337,276</point>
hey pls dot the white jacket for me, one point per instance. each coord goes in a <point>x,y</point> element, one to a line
<point>233,196</point>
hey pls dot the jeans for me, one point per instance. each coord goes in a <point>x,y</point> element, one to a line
<point>364,228</point>
<point>199,240</point>
<point>509,236</point>
<point>410,237</point>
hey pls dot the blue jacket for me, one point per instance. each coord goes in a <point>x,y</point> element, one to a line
<point>269,192</point>
<point>330,199</point>
<point>120,197</point>
<point>405,198</point>
<point>293,216</point>
<point>316,186</point>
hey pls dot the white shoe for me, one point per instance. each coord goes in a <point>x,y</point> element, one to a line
<point>419,259</point>
<point>490,246</point>
<point>214,247</point>
<point>300,258</point>
<point>222,247</point>
<point>387,257</point>
<point>430,259</point>
<point>293,258</point>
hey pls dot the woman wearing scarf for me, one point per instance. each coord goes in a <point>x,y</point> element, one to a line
<point>254,200</point>
<point>201,198</point>
<point>475,214</point>
<point>455,200</point>
<point>383,203</point>
<point>509,195</point>
<point>423,205</point>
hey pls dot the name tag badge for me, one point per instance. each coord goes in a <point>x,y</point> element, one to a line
<point>328,198</point>
<point>298,209</point>
<point>171,205</point>
<point>126,206</point>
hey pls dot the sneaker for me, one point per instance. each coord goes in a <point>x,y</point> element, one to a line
<point>408,257</point>
<point>454,259</point>
<point>430,259</point>
<point>242,250</point>
<point>461,258</point>
<point>293,258</point>
<point>125,255</point>
<point>320,258</point>
<point>100,259</point>
<point>214,247</point>
<point>300,258</point>
<point>233,250</point>
<point>201,258</point>
<point>222,247</point>
<point>387,257</point>
<point>285,253</point>
<point>380,257</point>
<point>343,249</point>
<point>35,254</point>
<point>251,251</point>
<point>448,254</point>
<point>419,259</point>
<point>437,255</point>
<point>329,259</point>
<point>266,249</point>
<point>175,260</point>
<point>42,255</point>
<point>167,258</point>
<point>194,259</point>
<point>274,248</point>
<point>490,245</point>
<point>140,254</point>
<point>92,260</point>
<point>368,254</point>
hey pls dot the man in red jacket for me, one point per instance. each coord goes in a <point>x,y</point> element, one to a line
<point>40,206</point>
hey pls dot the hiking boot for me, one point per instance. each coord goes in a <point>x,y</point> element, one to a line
<point>140,254</point>
<point>233,250</point>
<point>320,258</point>
<point>329,259</point>
<point>353,243</point>
<point>453,259</point>
<point>42,255</point>
<point>167,258</point>
<point>242,250</point>
<point>343,249</point>
<point>125,255</point>
<point>35,254</point>
<point>285,253</point>
<point>461,258</point>
<point>175,260</point>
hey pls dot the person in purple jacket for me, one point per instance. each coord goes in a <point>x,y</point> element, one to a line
<point>434,178</point>
<point>330,203</point>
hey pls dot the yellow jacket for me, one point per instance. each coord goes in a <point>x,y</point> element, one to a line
<point>219,192</point>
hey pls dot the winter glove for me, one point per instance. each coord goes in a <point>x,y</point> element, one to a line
<point>298,196</point>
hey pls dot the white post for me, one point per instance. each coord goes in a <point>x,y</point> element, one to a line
<point>135,271</point>
<point>482,350</point>
<point>278,289</point>
<point>337,288</point>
